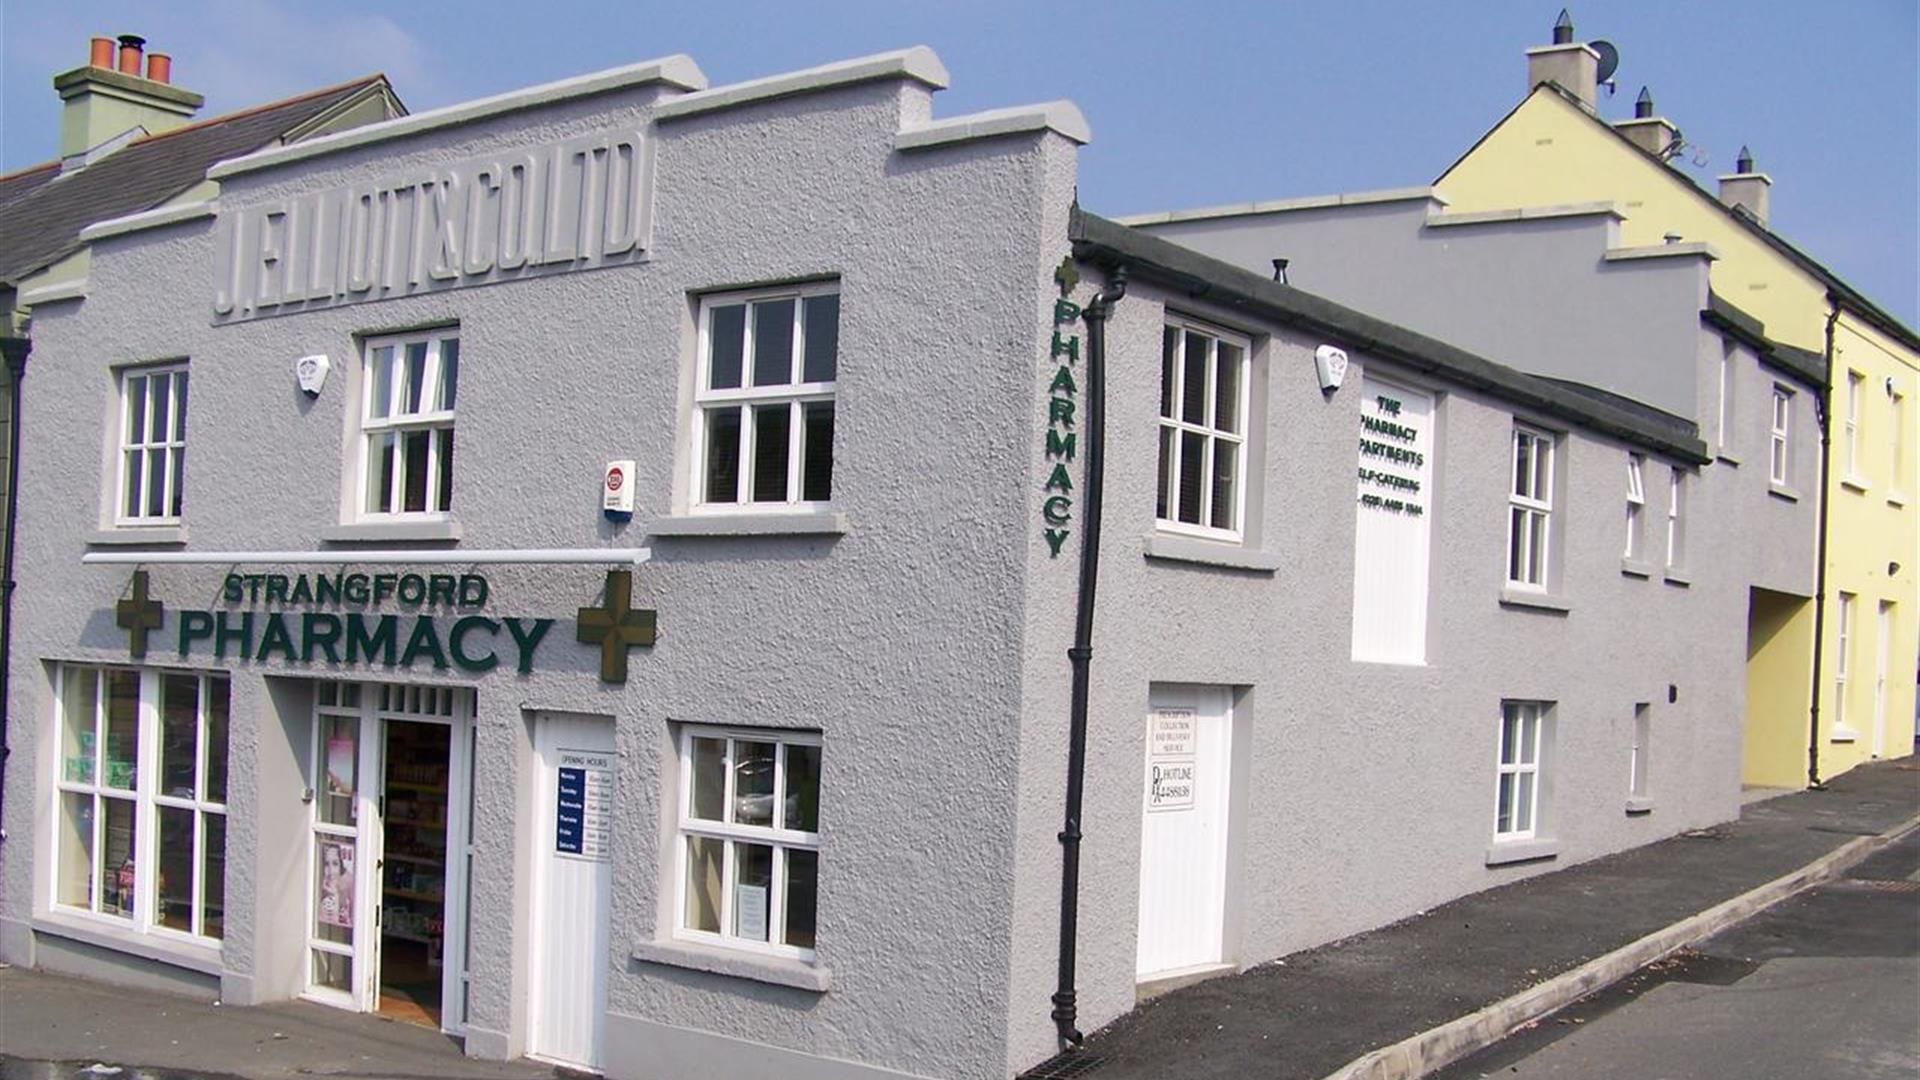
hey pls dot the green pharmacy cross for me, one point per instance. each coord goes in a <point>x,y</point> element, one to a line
<point>138,614</point>
<point>1066,276</point>
<point>616,627</point>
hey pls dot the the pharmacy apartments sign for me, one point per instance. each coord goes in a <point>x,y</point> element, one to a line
<point>396,621</point>
<point>570,205</point>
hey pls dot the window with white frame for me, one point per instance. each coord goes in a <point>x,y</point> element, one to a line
<point>764,403</point>
<point>1517,794</point>
<point>1203,425</point>
<point>749,839</point>
<point>141,820</point>
<point>1842,660</point>
<point>407,392</point>
<point>1897,425</point>
<point>1636,502</point>
<point>1640,754</point>
<point>1676,524</point>
<point>153,444</point>
<point>1855,383</point>
<point>1779,448</point>
<point>1530,509</point>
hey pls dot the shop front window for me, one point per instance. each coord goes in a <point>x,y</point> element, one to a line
<point>140,820</point>
<point>749,839</point>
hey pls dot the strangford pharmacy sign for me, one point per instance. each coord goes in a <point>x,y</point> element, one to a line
<point>388,620</point>
<point>568,205</point>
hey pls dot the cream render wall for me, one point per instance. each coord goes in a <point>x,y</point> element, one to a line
<point>1549,151</point>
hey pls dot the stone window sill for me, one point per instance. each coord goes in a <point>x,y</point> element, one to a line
<point>1639,805</point>
<point>139,536</point>
<point>777,970</point>
<point>392,532</point>
<point>1677,576</point>
<point>1855,483</point>
<point>1208,553</point>
<point>801,523</point>
<point>1843,735</point>
<point>1896,498</point>
<point>1538,601</point>
<point>1506,852</point>
<point>91,930</point>
<point>1636,568</point>
<point>1727,456</point>
<point>1782,491</point>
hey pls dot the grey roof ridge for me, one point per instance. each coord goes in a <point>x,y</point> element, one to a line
<point>678,71</point>
<point>1101,241</point>
<point>1280,206</point>
<point>1837,288</point>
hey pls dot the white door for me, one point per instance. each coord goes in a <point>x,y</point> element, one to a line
<point>573,887</point>
<point>1183,833</point>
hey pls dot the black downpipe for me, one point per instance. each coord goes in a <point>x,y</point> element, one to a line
<point>15,351</point>
<point>1065,1011</point>
<point>1823,411</point>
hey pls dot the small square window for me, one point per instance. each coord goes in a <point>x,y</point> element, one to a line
<point>749,839</point>
<point>153,445</point>
<point>407,392</point>
<point>764,399</point>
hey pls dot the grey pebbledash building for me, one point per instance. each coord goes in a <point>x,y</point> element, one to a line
<point>594,570</point>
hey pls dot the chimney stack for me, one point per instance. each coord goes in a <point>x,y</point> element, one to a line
<point>1746,188</point>
<point>109,97</point>
<point>1565,63</point>
<point>1649,132</point>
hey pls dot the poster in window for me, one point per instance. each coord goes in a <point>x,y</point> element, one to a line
<point>336,883</point>
<point>340,755</point>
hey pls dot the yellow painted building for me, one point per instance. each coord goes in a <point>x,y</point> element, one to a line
<point>1555,149</point>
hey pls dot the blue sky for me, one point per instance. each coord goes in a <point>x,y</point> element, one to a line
<point>1191,104</point>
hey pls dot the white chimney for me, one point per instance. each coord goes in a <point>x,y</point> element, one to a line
<point>1566,63</point>
<point>1746,188</point>
<point>1649,132</point>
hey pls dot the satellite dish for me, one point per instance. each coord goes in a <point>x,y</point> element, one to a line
<point>1609,59</point>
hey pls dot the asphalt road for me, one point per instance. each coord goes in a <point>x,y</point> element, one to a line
<point>1823,986</point>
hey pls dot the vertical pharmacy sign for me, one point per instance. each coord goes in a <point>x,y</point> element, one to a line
<point>1056,505</point>
<point>1391,533</point>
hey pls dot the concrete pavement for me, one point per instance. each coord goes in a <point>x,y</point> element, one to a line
<point>1826,984</point>
<point>1323,1012</point>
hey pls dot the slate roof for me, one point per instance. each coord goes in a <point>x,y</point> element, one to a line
<point>43,210</point>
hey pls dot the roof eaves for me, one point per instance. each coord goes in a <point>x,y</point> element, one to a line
<point>1100,241</point>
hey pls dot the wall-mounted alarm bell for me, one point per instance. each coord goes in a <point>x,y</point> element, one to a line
<point>311,371</point>
<point>616,491</point>
<point>1330,363</point>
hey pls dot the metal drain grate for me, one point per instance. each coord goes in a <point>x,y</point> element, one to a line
<point>1065,1066</point>
<point>1885,885</point>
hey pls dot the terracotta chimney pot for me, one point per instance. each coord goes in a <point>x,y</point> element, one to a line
<point>130,46</point>
<point>159,67</point>
<point>101,54</point>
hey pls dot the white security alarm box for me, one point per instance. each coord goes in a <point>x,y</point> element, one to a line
<point>1330,363</point>
<point>311,373</point>
<point>616,494</point>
